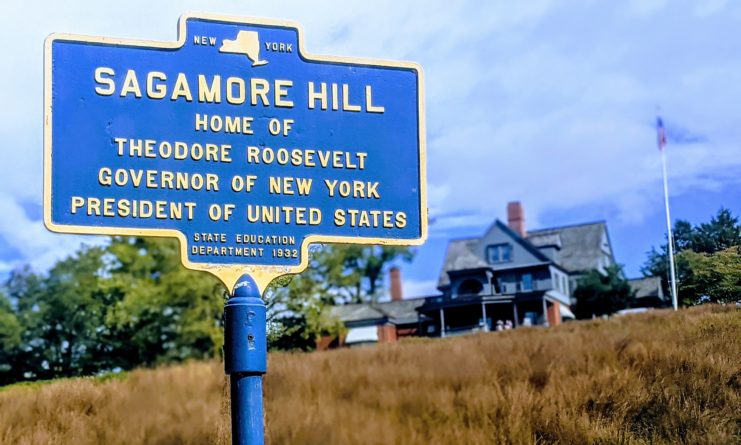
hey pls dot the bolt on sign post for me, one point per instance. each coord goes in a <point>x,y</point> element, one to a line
<point>243,146</point>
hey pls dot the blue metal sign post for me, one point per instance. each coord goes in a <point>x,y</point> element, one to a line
<point>246,360</point>
<point>241,145</point>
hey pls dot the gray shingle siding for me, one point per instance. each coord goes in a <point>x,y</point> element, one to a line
<point>582,247</point>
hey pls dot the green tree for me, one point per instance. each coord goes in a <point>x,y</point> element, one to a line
<point>128,304</point>
<point>657,263</point>
<point>161,311</point>
<point>72,311</point>
<point>711,277</point>
<point>59,315</point>
<point>10,341</point>
<point>299,315</point>
<point>20,313</point>
<point>132,303</point>
<point>354,273</point>
<point>299,308</point>
<point>605,293</point>
<point>722,232</point>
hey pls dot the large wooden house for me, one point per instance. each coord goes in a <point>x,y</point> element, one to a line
<point>507,277</point>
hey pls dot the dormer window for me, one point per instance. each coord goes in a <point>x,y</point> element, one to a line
<point>499,253</point>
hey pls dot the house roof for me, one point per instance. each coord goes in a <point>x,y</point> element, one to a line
<point>460,255</point>
<point>580,248</point>
<point>396,312</point>
<point>349,313</point>
<point>647,287</point>
<point>548,239</point>
<point>581,245</point>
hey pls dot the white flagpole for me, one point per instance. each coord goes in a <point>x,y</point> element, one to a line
<point>670,239</point>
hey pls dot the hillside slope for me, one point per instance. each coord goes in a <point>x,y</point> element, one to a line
<point>651,378</point>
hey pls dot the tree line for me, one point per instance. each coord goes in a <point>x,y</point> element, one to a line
<point>708,269</point>
<point>131,303</point>
<point>708,260</point>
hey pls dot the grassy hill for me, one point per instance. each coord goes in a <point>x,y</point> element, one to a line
<point>651,378</point>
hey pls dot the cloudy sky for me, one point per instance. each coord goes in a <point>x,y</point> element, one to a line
<point>550,103</point>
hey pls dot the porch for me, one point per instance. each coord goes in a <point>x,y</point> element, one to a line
<point>445,316</point>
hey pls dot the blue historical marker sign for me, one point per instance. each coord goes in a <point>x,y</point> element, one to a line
<point>235,141</point>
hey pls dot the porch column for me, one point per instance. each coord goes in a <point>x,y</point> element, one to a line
<point>545,313</point>
<point>514,310</point>
<point>442,322</point>
<point>483,312</point>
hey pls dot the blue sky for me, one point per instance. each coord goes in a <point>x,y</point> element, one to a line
<point>550,103</point>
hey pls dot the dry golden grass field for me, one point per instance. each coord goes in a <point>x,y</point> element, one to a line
<point>657,378</point>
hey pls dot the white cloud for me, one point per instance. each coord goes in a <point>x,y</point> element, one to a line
<point>549,103</point>
<point>39,247</point>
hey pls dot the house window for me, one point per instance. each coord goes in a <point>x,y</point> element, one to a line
<point>527,281</point>
<point>499,253</point>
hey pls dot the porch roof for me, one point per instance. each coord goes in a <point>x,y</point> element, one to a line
<point>442,302</point>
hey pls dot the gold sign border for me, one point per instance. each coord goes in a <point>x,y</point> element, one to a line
<point>230,273</point>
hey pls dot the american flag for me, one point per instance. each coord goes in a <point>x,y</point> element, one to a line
<point>660,133</point>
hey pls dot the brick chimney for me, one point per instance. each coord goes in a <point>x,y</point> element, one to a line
<point>516,218</point>
<point>395,277</point>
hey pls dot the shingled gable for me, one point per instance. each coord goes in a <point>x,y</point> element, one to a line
<point>468,253</point>
<point>582,246</point>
